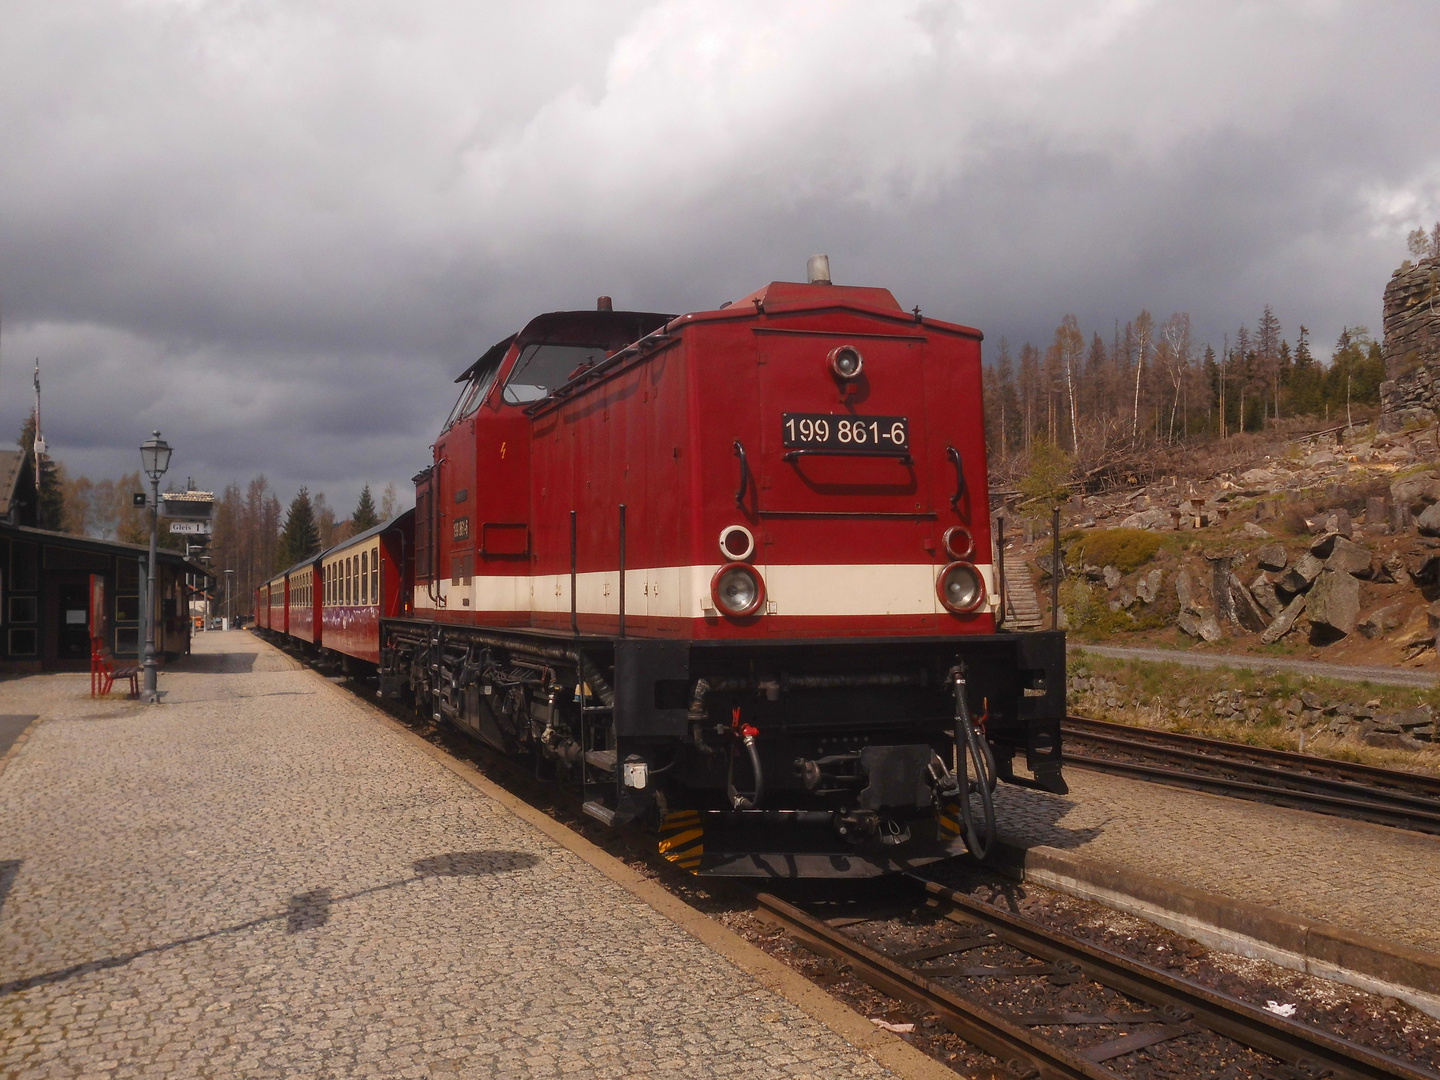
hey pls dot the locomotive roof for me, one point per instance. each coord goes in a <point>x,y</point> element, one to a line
<point>797,292</point>
<point>796,297</point>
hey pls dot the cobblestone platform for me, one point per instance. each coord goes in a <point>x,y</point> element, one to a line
<point>1366,878</point>
<point>258,879</point>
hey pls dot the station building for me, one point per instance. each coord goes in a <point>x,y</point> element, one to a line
<point>47,580</point>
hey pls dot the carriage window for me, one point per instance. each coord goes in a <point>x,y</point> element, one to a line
<point>543,367</point>
<point>375,574</point>
<point>364,577</point>
<point>349,581</point>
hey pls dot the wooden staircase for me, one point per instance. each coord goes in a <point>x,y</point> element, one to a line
<point>1022,604</point>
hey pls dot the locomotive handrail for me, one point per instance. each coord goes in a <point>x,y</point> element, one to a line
<point>744,475</point>
<point>902,456</point>
<point>954,456</point>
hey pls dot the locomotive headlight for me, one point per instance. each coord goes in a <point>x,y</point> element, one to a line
<point>737,543</point>
<point>737,589</point>
<point>959,544</point>
<point>846,363</point>
<point>961,588</point>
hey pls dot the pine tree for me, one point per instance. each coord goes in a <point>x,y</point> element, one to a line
<point>1305,390</point>
<point>300,538</point>
<point>365,516</point>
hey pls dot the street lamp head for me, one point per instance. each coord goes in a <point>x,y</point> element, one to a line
<point>155,456</point>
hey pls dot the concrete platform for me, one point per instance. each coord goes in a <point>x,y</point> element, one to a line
<point>1339,898</point>
<point>261,878</point>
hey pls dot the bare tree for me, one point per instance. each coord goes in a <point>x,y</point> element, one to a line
<point>1144,329</point>
<point>1176,347</point>
<point>1070,344</point>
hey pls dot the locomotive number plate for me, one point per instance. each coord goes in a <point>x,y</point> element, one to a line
<point>824,431</point>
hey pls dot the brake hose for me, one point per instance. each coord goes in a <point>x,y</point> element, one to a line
<point>746,734</point>
<point>970,747</point>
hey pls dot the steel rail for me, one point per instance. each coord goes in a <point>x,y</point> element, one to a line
<point>1310,1051</point>
<point>1237,765</point>
<point>1235,777</point>
<point>1307,1049</point>
<point>1371,775</point>
<point>977,1024</point>
<point>1355,809</point>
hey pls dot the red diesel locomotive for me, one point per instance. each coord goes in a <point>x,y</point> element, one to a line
<point>731,574</point>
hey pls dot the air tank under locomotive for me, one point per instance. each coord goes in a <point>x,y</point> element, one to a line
<point>730,574</point>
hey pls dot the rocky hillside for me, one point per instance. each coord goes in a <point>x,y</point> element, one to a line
<point>1320,548</point>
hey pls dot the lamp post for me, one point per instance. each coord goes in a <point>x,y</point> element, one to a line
<point>229,607</point>
<point>155,459</point>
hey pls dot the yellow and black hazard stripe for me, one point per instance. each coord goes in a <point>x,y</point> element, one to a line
<point>682,839</point>
<point>950,821</point>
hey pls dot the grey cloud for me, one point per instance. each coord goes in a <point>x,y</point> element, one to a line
<point>278,231</point>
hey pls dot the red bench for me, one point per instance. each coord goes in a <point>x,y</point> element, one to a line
<point>104,670</point>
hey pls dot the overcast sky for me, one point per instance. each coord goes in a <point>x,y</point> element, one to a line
<point>278,229</point>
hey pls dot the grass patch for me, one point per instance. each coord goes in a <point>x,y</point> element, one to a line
<point>1124,549</point>
<point>1174,697</point>
<point>1088,614</point>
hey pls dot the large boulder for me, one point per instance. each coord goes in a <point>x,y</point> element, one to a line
<point>1206,628</point>
<point>1301,575</point>
<point>1148,587</point>
<point>1271,557</point>
<point>1153,519</point>
<point>1243,608</point>
<point>1284,622</point>
<point>1348,557</point>
<point>1112,577</point>
<point>1265,595</point>
<point>1188,592</point>
<point>1428,521</point>
<point>1331,521</point>
<point>1334,606</point>
<point>1416,492</point>
<point>1381,621</point>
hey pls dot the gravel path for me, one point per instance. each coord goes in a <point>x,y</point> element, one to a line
<point>1381,676</point>
<point>256,879</point>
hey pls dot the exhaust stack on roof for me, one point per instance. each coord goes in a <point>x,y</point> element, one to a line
<point>817,272</point>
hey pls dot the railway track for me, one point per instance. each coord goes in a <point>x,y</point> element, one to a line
<point>1158,1010</point>
<point>1085,1010</point>
<point>1363,792</point>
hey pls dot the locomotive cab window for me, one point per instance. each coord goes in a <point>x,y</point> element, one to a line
<point>473,393</point>
<point>543,367</point>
